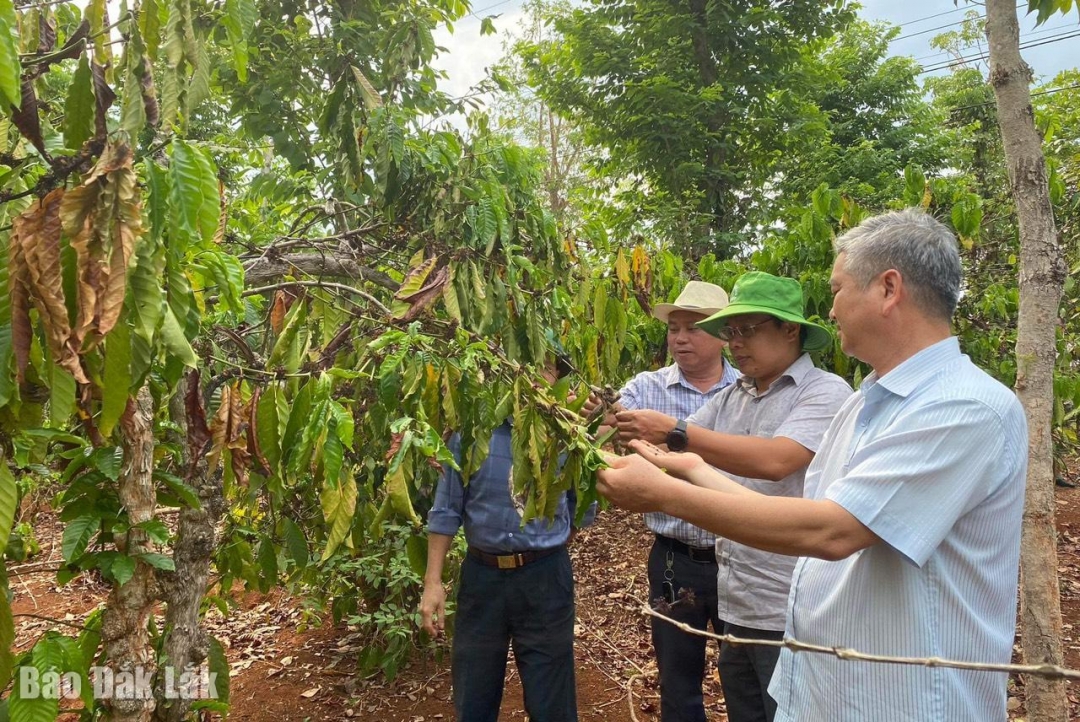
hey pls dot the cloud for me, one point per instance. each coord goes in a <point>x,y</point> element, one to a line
<point>468,53</point>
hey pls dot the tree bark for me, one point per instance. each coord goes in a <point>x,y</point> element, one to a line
<point>1042,273</point>
<point>271,268</point>
<point>186,642</point>
<point>124,633</point>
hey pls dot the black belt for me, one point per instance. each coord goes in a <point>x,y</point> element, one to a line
<point>511,560</point>
<point>701,555</point>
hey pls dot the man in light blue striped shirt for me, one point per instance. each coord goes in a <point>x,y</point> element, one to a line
<point>910,530</point>
<point>683,556</point>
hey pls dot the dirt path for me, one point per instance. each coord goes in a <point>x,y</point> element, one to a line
<point>283,669</point>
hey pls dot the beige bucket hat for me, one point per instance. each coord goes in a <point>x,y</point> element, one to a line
<point>696,297</point>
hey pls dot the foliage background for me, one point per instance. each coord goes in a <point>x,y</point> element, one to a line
<point>249,225</point>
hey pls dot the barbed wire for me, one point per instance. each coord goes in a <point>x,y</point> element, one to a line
<point>1047,671</point>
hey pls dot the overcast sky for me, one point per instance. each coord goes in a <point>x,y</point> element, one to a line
<point>469,53</point>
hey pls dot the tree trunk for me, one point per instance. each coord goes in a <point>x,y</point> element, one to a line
<point>186,642</point>
<point>124,633</point>
<point>1042,272</point>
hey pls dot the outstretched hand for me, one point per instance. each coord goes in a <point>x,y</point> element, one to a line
<point>634,483</point>
<point>681,464</point>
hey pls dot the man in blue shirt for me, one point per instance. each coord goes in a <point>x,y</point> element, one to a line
<point>516,588</point>
<point>909,534</point>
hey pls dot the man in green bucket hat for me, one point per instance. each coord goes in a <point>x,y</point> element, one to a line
<point>763,293</point>
<point>762,431</point>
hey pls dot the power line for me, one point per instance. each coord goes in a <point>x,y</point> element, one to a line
<point>938,15</point>
<point>485,9</point>
<point>1074,86</point>
<point>984,56</point>
<point>930,30</point>
<point>949,12</point>
<point>1032,35</point>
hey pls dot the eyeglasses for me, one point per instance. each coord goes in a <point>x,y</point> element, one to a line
<point>727,333</point>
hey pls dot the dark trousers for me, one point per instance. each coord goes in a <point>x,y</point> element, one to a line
<point>531,608</point>
<point>745,671</point>
<point>680,657</point>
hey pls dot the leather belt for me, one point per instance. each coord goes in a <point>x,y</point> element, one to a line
<point>701,555</point>
<point>511,560</point>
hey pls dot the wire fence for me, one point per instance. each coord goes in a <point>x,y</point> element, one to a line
<point>1047,671</point>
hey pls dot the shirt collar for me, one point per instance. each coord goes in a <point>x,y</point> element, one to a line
<point>915,371</point>
<point>673,376</point>
<point>796,372</point>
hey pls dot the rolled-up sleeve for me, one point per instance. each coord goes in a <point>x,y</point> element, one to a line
<point>447,512</point>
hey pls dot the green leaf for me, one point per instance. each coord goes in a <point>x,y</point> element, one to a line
<point>61,396</point>
<point>339,506</point>
<point>218,665</point>
<point>77,535</point>
<point>487,27</point>
<point>121,569</point>
<point>294,320</point>
<point>79,106</point>
<point>193,192</point>
<point>36,708</point>
<point>116,378</point>
<point>107,460</point>
<point>132,110</point>
<point>9,499</point>
<point>145,300</point>
<point>416,550</point>
<point>156,530</point>
<point>10,70</point>
<point>268,426</point>
<point>158,561</point>
<point>176,486</point>
<point>240,17</point>
<point>333,453</point>
<point>295,543</point>
<point>175,341</point>
<point>267,561</point>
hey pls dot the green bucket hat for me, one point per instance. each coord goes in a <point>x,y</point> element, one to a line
<point>757,292</point>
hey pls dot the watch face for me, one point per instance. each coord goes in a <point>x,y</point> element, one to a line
<point>677,440</point>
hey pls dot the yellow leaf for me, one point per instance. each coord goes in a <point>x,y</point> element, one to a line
<point>622,268</point>
<point>411,284</point>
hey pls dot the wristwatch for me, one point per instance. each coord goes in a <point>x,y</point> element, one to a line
<point>677,440</point>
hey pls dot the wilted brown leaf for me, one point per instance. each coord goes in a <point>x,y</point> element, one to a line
<point>426,296</point>
<point>395,445</point>
<point>104,97</point>
<point>46,33</point>
<point>25,117</point>
<point>124,229</point>
<point>277,313</point>
<point>37,231</point>
<point>103,220</point>
<point>198,434</point>
<point>145,73</point>
<point>219,430</point>
<point>21,332</point>
<point>255,452</point>
<point>223,217</point>
<point>237,437</point>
